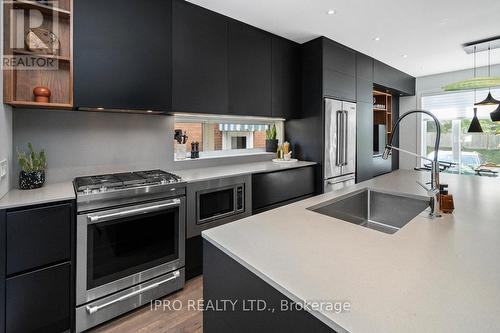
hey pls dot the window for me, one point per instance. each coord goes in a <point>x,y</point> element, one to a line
<point>470,151</point>
<point>224,136</point>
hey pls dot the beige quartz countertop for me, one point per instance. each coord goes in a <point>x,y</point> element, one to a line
<point>48,193</point>
<point>431,276</point>
<point>200,174</point>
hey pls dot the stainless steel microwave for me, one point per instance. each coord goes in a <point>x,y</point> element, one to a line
<point>215,202</point>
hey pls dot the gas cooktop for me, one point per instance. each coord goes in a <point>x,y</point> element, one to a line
<point>127,180</point>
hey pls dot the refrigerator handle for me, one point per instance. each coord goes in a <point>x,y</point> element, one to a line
<point>346,138</point>
<point>338,161</point>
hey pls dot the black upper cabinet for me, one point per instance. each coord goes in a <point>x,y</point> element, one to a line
<point>339,58</point>
<point>285,78</point>
<point>339,71</point>
<point>364,78</point>
<point>364,67</point>
<point>199,57</point>
<point>389,77</point>
<point>249,57</point>
<point>122,54</point>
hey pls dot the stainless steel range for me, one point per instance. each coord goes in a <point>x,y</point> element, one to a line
<point>130,242</point>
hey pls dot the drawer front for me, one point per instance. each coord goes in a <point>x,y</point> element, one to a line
<point>39,301</point>
<point>275,187</point>
<point>38,237</point>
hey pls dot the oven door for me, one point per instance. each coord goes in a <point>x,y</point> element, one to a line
<point>123,247</point>
<point>214,204</point>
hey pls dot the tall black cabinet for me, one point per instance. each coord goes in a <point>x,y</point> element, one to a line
<point>249,57</point>
<point>122,54</point>
<point>199,60</point>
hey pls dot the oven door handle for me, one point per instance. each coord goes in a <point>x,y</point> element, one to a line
<point>132,212</point>
<point>94,309</point>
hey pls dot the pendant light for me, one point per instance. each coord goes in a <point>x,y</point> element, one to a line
<point>495,115</point>
<point>489,100</point>
<point>475,125</point>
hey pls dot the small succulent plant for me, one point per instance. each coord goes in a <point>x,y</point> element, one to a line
<point>32,161</point>
<point>271,133</point>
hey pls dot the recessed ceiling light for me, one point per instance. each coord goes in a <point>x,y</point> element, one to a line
<point>331,11</point>
<point>150,111</point>
<point>376,39</point>
<point>100,109</point>
<point>405,56</point>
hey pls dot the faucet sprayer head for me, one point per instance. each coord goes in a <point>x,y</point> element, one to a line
<point>387,152</point>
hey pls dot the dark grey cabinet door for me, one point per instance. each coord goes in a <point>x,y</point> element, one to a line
<point>39,301</point>
<point>263,185</point>
<point>364,67</point>
<point>364,141</point>
<point>285,78</point>
<point>390,77</point>
<point>249,56</point>
<point>364,78</point>
<point>339,85</point>
<point>199,57</point>
<point>122,54</point>
<point>37,237</point>
<point>339,71</point>
<point>339,58</point>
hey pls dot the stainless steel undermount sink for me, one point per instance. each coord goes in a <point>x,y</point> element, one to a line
<point>381,211</point>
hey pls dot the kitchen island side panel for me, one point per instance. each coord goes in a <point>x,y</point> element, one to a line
<point>225,281</point>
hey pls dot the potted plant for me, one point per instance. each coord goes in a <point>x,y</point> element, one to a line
<point>271,141</point>
<point>32,164</point>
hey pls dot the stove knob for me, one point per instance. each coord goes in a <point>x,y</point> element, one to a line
<point>95,191</point>
<point>103,189</point>
<point>87,191</point>
<point>163,181</point>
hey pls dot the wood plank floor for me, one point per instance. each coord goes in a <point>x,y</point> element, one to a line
<point>145,320</point>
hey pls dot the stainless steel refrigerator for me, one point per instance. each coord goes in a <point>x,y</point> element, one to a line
<point>340,144</point>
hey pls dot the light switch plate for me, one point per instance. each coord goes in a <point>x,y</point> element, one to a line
<point>3,168</point>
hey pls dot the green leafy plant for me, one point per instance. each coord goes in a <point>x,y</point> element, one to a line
<point>271,133</point>
<point>32,161</point>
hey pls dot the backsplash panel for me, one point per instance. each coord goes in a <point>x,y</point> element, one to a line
<point>85,143</point>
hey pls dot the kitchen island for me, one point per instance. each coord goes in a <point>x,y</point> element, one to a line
<point>431,276</point>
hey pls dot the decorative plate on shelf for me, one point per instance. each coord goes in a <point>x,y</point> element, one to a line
<point>42,41</point>
<point>282,161</point>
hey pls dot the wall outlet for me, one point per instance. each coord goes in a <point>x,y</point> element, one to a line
<point>3,168</point>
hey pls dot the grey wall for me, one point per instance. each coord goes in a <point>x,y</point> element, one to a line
<point>83,143</point>
<point>411,130</point>
<point>5,127</point>
<point>88,143</point>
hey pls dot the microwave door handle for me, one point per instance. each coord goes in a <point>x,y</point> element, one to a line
<point>131,212</point>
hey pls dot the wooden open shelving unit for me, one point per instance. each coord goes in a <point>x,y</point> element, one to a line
<point>382,111</point>
<point>19,82</point>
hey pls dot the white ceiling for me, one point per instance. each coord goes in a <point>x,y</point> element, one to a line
<point>429,32</point>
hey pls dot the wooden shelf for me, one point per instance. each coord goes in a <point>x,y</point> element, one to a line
<point>18,82</point>
<point>28,104</point>
<point>45,9</point>
<point>46,56</point>
<point>381,110</point>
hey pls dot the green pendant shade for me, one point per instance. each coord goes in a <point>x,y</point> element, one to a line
<point>475,126</point>
<point>474,83</point>
<point>489,100</point>
<point>495,115</point>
